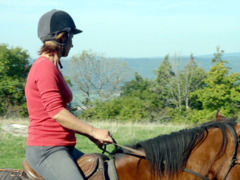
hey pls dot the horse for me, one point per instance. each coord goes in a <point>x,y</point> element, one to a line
<point>209,151</point>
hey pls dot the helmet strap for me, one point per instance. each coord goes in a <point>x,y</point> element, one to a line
<point>60,64</point>
<point>64,44</point>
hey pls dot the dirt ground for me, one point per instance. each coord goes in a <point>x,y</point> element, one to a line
<point>16,128</point>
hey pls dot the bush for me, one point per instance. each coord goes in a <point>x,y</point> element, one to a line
<point>192,116</point>
<point>122,109</point>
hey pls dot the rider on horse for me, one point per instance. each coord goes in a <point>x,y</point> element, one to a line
<point>51,138</point>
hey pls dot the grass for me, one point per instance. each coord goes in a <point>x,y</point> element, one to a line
<point>12,148</point>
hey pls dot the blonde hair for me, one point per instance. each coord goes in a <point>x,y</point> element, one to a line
<point>51,47</point>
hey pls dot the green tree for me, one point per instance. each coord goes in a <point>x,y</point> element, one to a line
<point>174,85</point>
<point>221,91</point>
<point>164,75</point>
<point>14,66</point>
<point>139,84</point>
<point>140,90</point>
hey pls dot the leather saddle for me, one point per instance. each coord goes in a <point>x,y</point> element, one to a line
<point>93,166</point>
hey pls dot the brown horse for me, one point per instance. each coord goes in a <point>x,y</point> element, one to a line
<point>209,151</point>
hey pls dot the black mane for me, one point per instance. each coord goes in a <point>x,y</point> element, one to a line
<point>169,153</point>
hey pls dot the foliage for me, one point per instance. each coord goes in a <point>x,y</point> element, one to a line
<point>221,90</point>
<point>174,85</point>
<point>14,67</point>
<point>192,79</point>
<point>136,103</point>
<point>187,95</point>
<point>122,109</point>
<point>191,116</point>
<point>161,85</point>
<point>136,85</point>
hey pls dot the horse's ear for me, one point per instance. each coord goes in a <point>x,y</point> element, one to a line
<point>219,116</point>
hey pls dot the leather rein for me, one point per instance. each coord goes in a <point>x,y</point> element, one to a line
<point>132,151</point>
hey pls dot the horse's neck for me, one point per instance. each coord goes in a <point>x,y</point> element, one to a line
<point>131,168</point>
<point>206,154</point>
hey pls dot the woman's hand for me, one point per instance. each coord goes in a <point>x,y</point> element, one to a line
<point>101,136</point>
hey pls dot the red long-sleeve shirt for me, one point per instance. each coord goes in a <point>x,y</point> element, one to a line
<point>47,93</point>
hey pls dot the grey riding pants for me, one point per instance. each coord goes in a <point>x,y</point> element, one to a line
<point>55,162</point>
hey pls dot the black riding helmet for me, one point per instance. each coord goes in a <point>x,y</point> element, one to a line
<point>54,22</point>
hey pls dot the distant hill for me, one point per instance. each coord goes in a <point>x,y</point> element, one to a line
<point>146,66</point>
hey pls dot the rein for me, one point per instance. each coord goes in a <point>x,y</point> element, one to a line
<point>233,160</point>
<point>133,152</point>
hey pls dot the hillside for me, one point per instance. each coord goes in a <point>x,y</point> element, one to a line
<point>146,66</point>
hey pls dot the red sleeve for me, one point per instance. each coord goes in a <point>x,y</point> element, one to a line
<point>47,80</point>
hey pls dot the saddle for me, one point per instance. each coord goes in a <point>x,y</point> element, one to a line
<point>93,166</point>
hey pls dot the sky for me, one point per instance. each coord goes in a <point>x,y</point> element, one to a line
<point>130,28</point>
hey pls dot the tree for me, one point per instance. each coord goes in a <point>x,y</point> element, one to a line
<point>140,90</point>
<point>96,75</point>
<point>222,90</point>
<point>164,74</point>
<point>217,56</point>
<point>14,66</point>
<point>139,84</point>
<point>192,79</point>
<point>174,85</point>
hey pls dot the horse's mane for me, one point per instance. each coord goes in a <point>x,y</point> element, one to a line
<point>169,153</point>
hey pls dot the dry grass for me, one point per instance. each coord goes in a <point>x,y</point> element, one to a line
<point>23,121</point>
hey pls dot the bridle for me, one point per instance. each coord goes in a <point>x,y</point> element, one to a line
<point>142,155</point>
<point>233,160</point>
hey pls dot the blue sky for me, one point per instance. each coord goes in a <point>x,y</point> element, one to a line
<point>130,28</point>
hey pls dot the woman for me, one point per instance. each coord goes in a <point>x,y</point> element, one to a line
<point>51,134</point>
